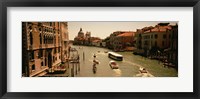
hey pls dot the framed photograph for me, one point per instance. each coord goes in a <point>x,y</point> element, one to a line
<point>90,49</point>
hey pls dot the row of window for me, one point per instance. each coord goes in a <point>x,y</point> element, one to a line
<point>46,40</point>
<point>46,29</point>
<point>45,61</point>
<point>41,54</point>
<point>155,36</point>
<point>155,43</point>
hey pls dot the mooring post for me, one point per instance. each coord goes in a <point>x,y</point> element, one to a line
<point>72,70</point>
<point>83,56</point>
<point>78,66</point>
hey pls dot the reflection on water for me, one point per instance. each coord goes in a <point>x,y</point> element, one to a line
<point>129,67</point>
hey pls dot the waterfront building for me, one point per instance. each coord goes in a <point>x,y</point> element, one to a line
<point>119,40</point>
<point>124,41</point>
<point>41,47</point>
<point>172,52</point>
<point>112,38</point>
<point>96,42</point>
<point>64,41</point>
<point>138,36</point>
<point>81,33</point>
<point>87,38</point>
<point>156,41</point>
<point>103,44</point>
<point>79,39</point>
<point>159,37</point>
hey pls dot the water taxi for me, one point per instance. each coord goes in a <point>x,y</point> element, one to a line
<point>113,65</point>
<point>115,56</point>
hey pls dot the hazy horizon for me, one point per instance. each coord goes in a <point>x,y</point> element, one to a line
<point>103,29</point>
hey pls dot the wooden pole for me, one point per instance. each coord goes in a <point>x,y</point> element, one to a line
<point>76,68</point>
<point>72,70</point>
<point>83,56</point>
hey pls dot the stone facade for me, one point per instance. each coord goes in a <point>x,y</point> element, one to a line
<point>42,46</point>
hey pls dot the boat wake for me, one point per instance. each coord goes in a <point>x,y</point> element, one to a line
<point>140,74</point>
<point>118,72</point>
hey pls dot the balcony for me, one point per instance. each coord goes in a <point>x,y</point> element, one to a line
<point>50,45</point>
<point>35,73</point>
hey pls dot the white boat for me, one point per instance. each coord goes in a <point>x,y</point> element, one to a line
<point>115,56</point>
<point>113,65</point>
<point>142,70</point>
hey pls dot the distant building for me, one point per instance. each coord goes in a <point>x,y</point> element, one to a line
<point>81,33</point>
<point>119,40</point>
<point>87,38</point>
<point>123,41</point>
<point>79,39</point>
<point>112,38</point>
<point>103,44</point>
<point>96,43</point>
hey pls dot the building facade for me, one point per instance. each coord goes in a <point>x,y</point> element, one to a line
<point>79,39</point>
<point>156,37</point>
<point>42,47</point>
<point>64,41</point>
<point>124,41</point>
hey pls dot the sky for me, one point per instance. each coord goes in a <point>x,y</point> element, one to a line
<point>104,29</point>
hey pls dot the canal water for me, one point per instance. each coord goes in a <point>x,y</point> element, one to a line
<point>129,67</point>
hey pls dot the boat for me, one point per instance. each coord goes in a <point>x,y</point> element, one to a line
<point>142,70</point>
<point>115,56</point>
<point>60,69</point>
<point>96,61</point>
<point>113,65</point>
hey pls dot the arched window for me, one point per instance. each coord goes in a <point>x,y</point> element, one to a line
<point>31,38</point>
<point>40,38</point>
<point>45,63</point>
<point>44,40</point>
<point>42,63</point>
<point>33,67</point>
<point>48,39</point>
<point>54,40</point>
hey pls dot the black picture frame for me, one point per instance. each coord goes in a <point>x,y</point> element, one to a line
<point>98,3</point>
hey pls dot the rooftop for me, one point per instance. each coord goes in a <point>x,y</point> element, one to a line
<point>126,34</point>
<point>159,29</point>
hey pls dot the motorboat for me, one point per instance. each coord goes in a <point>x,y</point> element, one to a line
<point>113,65</point>
<point>142,70</point>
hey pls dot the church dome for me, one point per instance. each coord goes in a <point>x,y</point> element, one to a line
<point>81,31</point>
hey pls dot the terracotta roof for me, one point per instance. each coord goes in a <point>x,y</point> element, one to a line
<point>127,34</point>
<point>159,29</point>
<point>96,41</point>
